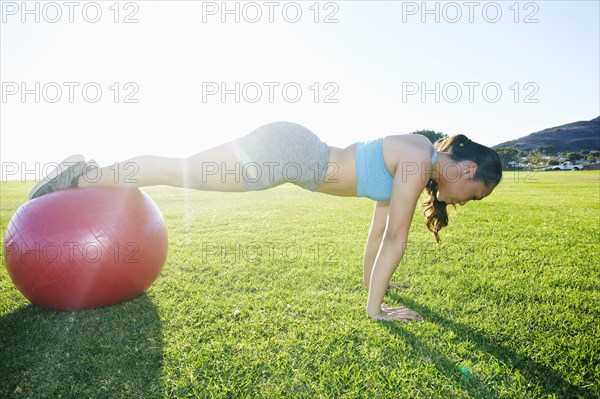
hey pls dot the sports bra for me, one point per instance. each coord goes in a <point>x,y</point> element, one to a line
<point>372,177</point>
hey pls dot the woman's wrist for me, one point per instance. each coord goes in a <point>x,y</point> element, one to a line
<point>373,311</point>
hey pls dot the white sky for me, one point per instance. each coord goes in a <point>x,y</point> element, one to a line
<point>371,57</point>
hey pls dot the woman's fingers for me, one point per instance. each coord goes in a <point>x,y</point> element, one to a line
<point>398,284</point>
<point>399,314</point>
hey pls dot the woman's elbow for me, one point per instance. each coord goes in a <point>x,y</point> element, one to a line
<point>396,237</point>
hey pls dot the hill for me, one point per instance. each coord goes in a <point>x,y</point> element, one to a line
<point>576,136</point>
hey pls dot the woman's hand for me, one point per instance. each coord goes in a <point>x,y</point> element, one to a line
<point>398,284</point>
<point>402,314</point>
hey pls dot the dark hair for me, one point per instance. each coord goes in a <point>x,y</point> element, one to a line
<point>460,148</point>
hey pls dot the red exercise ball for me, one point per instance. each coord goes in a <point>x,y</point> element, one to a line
<point>86,247</point>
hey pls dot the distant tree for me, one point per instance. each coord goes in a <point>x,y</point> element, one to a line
<point>546,149</point>
<point>592,159</point>
<point>507,155</point>
<point>573,156</point>
<point>432,135</point>
<point>595,153</point>
<point>584,152</point>
<point>553,162</point>
<point>522,153</point>
<point>534,158</point>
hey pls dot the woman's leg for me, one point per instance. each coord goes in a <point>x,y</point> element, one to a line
<point>216,169</point>
<point>270,155</point>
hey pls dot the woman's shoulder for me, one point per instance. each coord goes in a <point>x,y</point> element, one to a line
<point>414,147</point>
<point>415,139</point>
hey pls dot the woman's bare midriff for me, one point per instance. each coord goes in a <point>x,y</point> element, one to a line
<point>340,178</point>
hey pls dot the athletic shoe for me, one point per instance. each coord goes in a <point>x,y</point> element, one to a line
<point>61,178</point>
<point>91,171</point>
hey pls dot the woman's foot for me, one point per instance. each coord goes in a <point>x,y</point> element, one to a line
<point>61,178</point>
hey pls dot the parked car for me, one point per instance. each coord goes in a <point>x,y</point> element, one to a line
<point>567,166</point>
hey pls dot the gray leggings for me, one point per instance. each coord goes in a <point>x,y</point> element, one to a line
<point>281,152</point>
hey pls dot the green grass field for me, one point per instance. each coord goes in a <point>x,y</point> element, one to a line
<point>511,301</point>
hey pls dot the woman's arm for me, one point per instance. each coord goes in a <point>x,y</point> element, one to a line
<point>376,231</point>
<point>406,190</point>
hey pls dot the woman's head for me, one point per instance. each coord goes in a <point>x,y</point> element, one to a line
<point>473,173</point>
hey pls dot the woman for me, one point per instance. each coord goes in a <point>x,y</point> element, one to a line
<point>393,171</point>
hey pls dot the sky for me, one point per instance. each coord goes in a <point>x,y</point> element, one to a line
<point>115,80</point>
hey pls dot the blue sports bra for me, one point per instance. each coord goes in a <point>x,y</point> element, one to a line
<point>372,177</point>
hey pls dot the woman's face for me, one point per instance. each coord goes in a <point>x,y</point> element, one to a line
<point>457,186</point>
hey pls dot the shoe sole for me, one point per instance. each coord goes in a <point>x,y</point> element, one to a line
<point>66,163</point>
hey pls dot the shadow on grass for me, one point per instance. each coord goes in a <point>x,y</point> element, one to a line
<point>549,381</point>
<point>106,352</point>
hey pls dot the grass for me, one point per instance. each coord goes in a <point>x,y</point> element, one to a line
<point>510,300</point>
